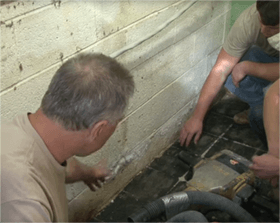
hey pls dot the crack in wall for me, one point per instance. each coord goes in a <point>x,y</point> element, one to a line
<point>162,27</point>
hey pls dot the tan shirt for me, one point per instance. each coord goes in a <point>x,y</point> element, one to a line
<point>246,32</point>
<point>32,181</point>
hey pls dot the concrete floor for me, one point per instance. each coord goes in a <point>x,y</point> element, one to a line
<point>162,176</point>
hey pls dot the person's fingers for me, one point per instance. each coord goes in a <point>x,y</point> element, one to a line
<point>91,187</point>
<point>94,184</point>
<point>184,140</point>
<point>235,80</point>
<point>256,168</point>
<point>102,179</point>
<point>108,178</point>
<point>252,166</point>
<point>95,187</point>
<point>255,159</point>
<point>197,137</point>
<point>99,183</point>
<point>235,83</point>
<point>100,173</point>
<point>189,138</point>
<point>183,137</point>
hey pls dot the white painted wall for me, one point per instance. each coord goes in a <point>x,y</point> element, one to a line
<point>169,46</point>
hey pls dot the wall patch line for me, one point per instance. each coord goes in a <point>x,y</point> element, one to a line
<point>19,17</point>
<point>162,27</point>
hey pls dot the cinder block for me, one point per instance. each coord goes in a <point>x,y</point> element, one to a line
<point>19,8</point>
<point>51,34</point>
<point>10,67</point>
<point>11,74</point>
<point>209,38</point>
<point>25,97</point>
<point>168,133</point>
<point>73,190</point>
<point>227,25</point>
<point>195,17</point>
<point>147,118</point>
<point>162,69</point>
<point>70,35</point>
<point>212,58</point>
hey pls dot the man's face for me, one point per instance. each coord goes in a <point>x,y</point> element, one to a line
<point>268,31</point>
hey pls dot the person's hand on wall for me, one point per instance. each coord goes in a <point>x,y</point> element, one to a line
<point>96,175</point>
<point>266,167</point>
<point>239,73</point>
<point>193,127</point>
<point>92,176</point>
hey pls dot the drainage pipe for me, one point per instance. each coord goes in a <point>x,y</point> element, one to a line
<point>176,203</point>
<point>188,216</point>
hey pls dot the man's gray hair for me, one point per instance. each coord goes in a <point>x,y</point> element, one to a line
<point>86,89</point>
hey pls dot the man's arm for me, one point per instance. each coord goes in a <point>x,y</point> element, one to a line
<point>267,165</point>
<point>271,118</point>
<point>267,71</point>
<point>92,176</point>
<point>213,84</point>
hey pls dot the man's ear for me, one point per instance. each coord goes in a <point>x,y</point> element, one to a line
<point>96,129</point>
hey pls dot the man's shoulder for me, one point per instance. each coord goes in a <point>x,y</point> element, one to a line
<point>249,18</point>
<point>244,33</point>
<point>12,125</point>
<point>14,136</point>
<point>15,147</point>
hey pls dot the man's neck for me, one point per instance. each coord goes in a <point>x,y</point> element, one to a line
<point>60,142</point>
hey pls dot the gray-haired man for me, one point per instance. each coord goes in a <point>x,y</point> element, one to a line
<point>79,112</point>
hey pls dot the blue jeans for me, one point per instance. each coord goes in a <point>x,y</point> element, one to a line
<point>252,90</point>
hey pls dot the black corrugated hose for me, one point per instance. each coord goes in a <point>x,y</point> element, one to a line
<point>176,203</point>
<point>188,216</point>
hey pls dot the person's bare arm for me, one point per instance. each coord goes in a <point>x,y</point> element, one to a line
<point>271,118</point>
<point>213,84</point>
<point>267,71</point>
<point>92,176</point>
<point>267,166</point>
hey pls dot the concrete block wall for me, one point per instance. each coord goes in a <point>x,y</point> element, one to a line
<point>169,47</point>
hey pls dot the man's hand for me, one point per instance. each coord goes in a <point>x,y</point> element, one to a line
<point>192,127</point>
<point>95,175</point>
<point>92,176</point>
<point>239,73</point>
<point>266,167</point>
